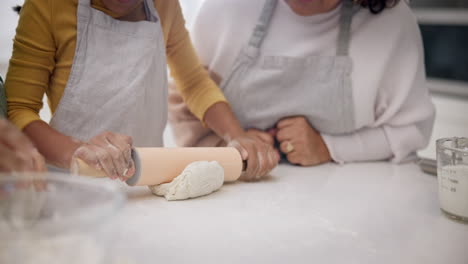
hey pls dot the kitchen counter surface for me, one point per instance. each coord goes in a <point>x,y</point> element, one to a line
<point>357,213</point>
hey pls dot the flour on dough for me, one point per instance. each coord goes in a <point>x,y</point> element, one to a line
<point>198,179</point>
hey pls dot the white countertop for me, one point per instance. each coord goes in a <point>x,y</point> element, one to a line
<point>357,213</point>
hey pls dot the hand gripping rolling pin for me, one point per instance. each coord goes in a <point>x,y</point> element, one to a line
<point>161,165</point>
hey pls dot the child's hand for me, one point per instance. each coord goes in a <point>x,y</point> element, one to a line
<point>109,152</point>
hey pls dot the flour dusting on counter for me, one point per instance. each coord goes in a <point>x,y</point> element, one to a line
<point>198,179</point>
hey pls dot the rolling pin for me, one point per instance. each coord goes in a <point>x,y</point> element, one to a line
<point>161,165</point>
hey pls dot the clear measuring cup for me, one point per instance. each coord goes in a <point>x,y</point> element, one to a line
<point>452,174</point>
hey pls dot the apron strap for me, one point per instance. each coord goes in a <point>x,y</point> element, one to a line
<point>151,13</point>
<point>263,23</point>
<point>84,9</point>
<point>344,36</point>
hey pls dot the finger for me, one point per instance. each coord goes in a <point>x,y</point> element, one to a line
<point>26,159</point>
<point>264,165</point>
<point>97,158</point>
<point>273,159</point>
<point>272,132</point>
<point>39,161</point>
<point>121,163</point>
<point>13,138</point>
<point>40,185</point>
<point>294,158</point>
<point>252,163</point>
<point>124,144</point>
<point>117,163</point>
<point>87,154</point>
<point>271,156</point>
<point>246,177</point>
<point>106,162</point>
<point>277,155</point>
<point>284,134</point>
<point>269,163</point>
<point>131,171</point>
<point>287,147</point>
<point>243,177</point>
<point>252,167</point>
<point>290,121</point>
<point>235,144</point>
<point>39,182</point>
<point>10,161</point>
<point>265,137</point>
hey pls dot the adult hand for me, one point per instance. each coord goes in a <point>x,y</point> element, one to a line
<point>302,144</point>
<point>267,137</point>
<point>109,152</point>
<point>262,136</point>
<point>17,152</point>
<point>261,157</point>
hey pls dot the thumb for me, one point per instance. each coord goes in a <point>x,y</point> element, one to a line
<point>244,153</point>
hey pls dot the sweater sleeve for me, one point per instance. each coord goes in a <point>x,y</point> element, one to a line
<point>192,80</point>
<point>403,109</point>
<point>31,64</point>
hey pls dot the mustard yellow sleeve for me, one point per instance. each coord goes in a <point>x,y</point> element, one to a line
<point>31,64</point>
<point>195,86</point>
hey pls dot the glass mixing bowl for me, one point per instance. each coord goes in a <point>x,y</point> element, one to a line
<point>56,218</point>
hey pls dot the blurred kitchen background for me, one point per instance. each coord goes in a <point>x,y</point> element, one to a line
<point>444,27</point>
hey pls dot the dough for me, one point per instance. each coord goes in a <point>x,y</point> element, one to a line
<point>198,179</point>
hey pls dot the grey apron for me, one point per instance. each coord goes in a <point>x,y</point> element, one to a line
<point>265,89</point>
<point>118,81</point>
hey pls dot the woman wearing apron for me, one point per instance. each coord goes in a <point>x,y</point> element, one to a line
<point>103,66</point>
<point>322,80</point>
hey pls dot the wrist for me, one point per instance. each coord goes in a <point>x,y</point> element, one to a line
<point>56,147</point>
<point>233,133</point>
<point>69,152</point>
<point>220,118</point>
<point>324,152</point>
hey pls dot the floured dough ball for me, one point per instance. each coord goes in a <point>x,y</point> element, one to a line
<point>198,179</point>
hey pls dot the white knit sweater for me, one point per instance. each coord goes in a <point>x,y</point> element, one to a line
<point>393,108</point>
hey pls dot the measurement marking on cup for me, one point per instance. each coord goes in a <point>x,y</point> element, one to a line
<point>453,176</point>
<point>453,181</point>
